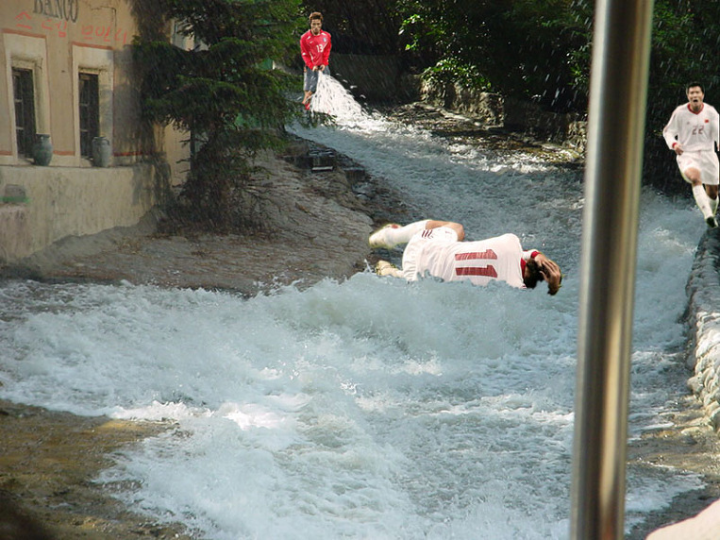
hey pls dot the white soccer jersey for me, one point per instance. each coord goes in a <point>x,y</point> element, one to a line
<point>693,131</point>
<point>436,252</point>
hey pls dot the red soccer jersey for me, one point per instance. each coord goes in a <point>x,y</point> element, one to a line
<point>315,49</point>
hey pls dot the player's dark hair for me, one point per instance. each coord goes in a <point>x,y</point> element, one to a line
<point>532,275</point>
<point>315,15</point>
<point>693,84</point>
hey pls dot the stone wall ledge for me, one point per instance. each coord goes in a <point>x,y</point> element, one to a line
<point>42,205</point>
<point>703,319</point>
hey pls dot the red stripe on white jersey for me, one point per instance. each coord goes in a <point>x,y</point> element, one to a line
<point>487,254</point>
<point>485,271</point>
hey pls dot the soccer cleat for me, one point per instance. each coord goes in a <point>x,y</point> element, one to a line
<point>379,239</point>
<point>711,222</point>
<point>384,268</point>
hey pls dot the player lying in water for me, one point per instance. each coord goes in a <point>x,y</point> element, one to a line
<point>437,249</point>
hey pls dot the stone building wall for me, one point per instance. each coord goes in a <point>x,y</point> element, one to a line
<point>52,48</point>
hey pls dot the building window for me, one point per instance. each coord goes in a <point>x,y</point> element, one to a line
<point>89,90</point>
<point>24,110</point>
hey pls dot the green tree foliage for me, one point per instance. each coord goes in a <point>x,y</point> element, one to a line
<point>519,48</point>
<point>541,50</point>
<point>222,92</point>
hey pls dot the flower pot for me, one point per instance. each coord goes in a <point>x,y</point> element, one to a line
<point>42,149</point>
<point>101,152</point>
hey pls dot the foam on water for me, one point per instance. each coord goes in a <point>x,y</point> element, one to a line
<point>371,408</point>
<point>319,414</point>
<point>511,192</point>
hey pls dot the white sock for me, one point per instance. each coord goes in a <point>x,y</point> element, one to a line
<point>713,205</point>
<point>702,200</point>
<point>402,235</point>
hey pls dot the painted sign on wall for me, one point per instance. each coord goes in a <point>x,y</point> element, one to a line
<point>53,16</point>
<point>58,9</point>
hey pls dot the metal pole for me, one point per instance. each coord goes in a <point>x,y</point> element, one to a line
<point>618,92</point>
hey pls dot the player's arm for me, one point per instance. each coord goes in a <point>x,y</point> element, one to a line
<point>305,50</point>
<point>541,259</point>
<point>530,254</point>
<point>549,269</point>
<point>326,51</point>
<point>670,133</point>
<point>553,277</point>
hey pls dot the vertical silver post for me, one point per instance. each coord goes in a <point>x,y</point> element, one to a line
<point>618,92</point>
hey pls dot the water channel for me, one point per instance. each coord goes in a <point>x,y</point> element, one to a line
<point>370,408</point>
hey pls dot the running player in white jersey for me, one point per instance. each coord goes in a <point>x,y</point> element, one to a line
<point>437,249</point>
<point>692,133</point>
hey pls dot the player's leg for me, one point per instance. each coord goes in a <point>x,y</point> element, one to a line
<point>705,204</point>
<point>457,227</point>
<point>310,81</point>
<point>385,268</point>
<point>692,175</point>
<point>712,193</point>
<point>306,86</point>
<point>392,234</point>
<point>710,176</point>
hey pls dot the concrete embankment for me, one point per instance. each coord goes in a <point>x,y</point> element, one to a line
<point>703,317</point>
<point>698,516</point>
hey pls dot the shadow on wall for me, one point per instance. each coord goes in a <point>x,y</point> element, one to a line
<point>157,191</point>
<point>148,15</point>
<point>14,232</point>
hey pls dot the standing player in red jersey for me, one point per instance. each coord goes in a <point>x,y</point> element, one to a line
<point>315,45</point>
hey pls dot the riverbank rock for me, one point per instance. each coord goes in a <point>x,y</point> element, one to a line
<point>704,327</point>
<point>315,225</point>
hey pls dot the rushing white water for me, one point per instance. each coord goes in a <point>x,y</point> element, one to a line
<point>371,408</point>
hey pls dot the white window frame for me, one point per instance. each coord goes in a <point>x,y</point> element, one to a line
<point>27,52</point>
<point>100,62</point>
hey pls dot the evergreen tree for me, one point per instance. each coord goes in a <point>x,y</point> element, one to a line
<point>223,92</point>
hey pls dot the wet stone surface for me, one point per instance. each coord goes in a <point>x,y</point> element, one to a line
<point>489,139</point>
<point>48,462</point>
<point>316,225</point>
